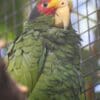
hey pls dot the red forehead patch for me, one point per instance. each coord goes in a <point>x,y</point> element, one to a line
<point>42,7</point>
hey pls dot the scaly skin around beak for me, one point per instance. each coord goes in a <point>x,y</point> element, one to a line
<point>53,4</point>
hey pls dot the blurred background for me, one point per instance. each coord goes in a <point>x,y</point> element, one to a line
<point>85,19</point>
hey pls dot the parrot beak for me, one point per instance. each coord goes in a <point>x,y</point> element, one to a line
<point>53,4</point>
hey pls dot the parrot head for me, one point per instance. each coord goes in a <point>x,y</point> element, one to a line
<point>49,7</point>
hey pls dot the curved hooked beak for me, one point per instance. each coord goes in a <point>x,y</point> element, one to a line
<point>53,4</point>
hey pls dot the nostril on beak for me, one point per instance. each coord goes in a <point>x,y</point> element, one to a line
<point>45,4</point>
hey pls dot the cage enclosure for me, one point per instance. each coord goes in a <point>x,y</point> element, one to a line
<point>85,19</point>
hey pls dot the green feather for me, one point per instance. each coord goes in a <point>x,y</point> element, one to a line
<point>46,59</point>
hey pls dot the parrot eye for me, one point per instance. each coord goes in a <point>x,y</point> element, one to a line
<point>45,4</point>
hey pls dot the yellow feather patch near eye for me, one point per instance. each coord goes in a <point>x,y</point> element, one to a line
<point>53,4</point>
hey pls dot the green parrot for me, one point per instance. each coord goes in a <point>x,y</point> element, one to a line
<point>46,59</point>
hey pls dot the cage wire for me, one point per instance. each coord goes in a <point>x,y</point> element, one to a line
<point>85,19</point>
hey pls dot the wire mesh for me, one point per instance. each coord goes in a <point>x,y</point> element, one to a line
<point>85,19</point>
<point>90,50</point>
